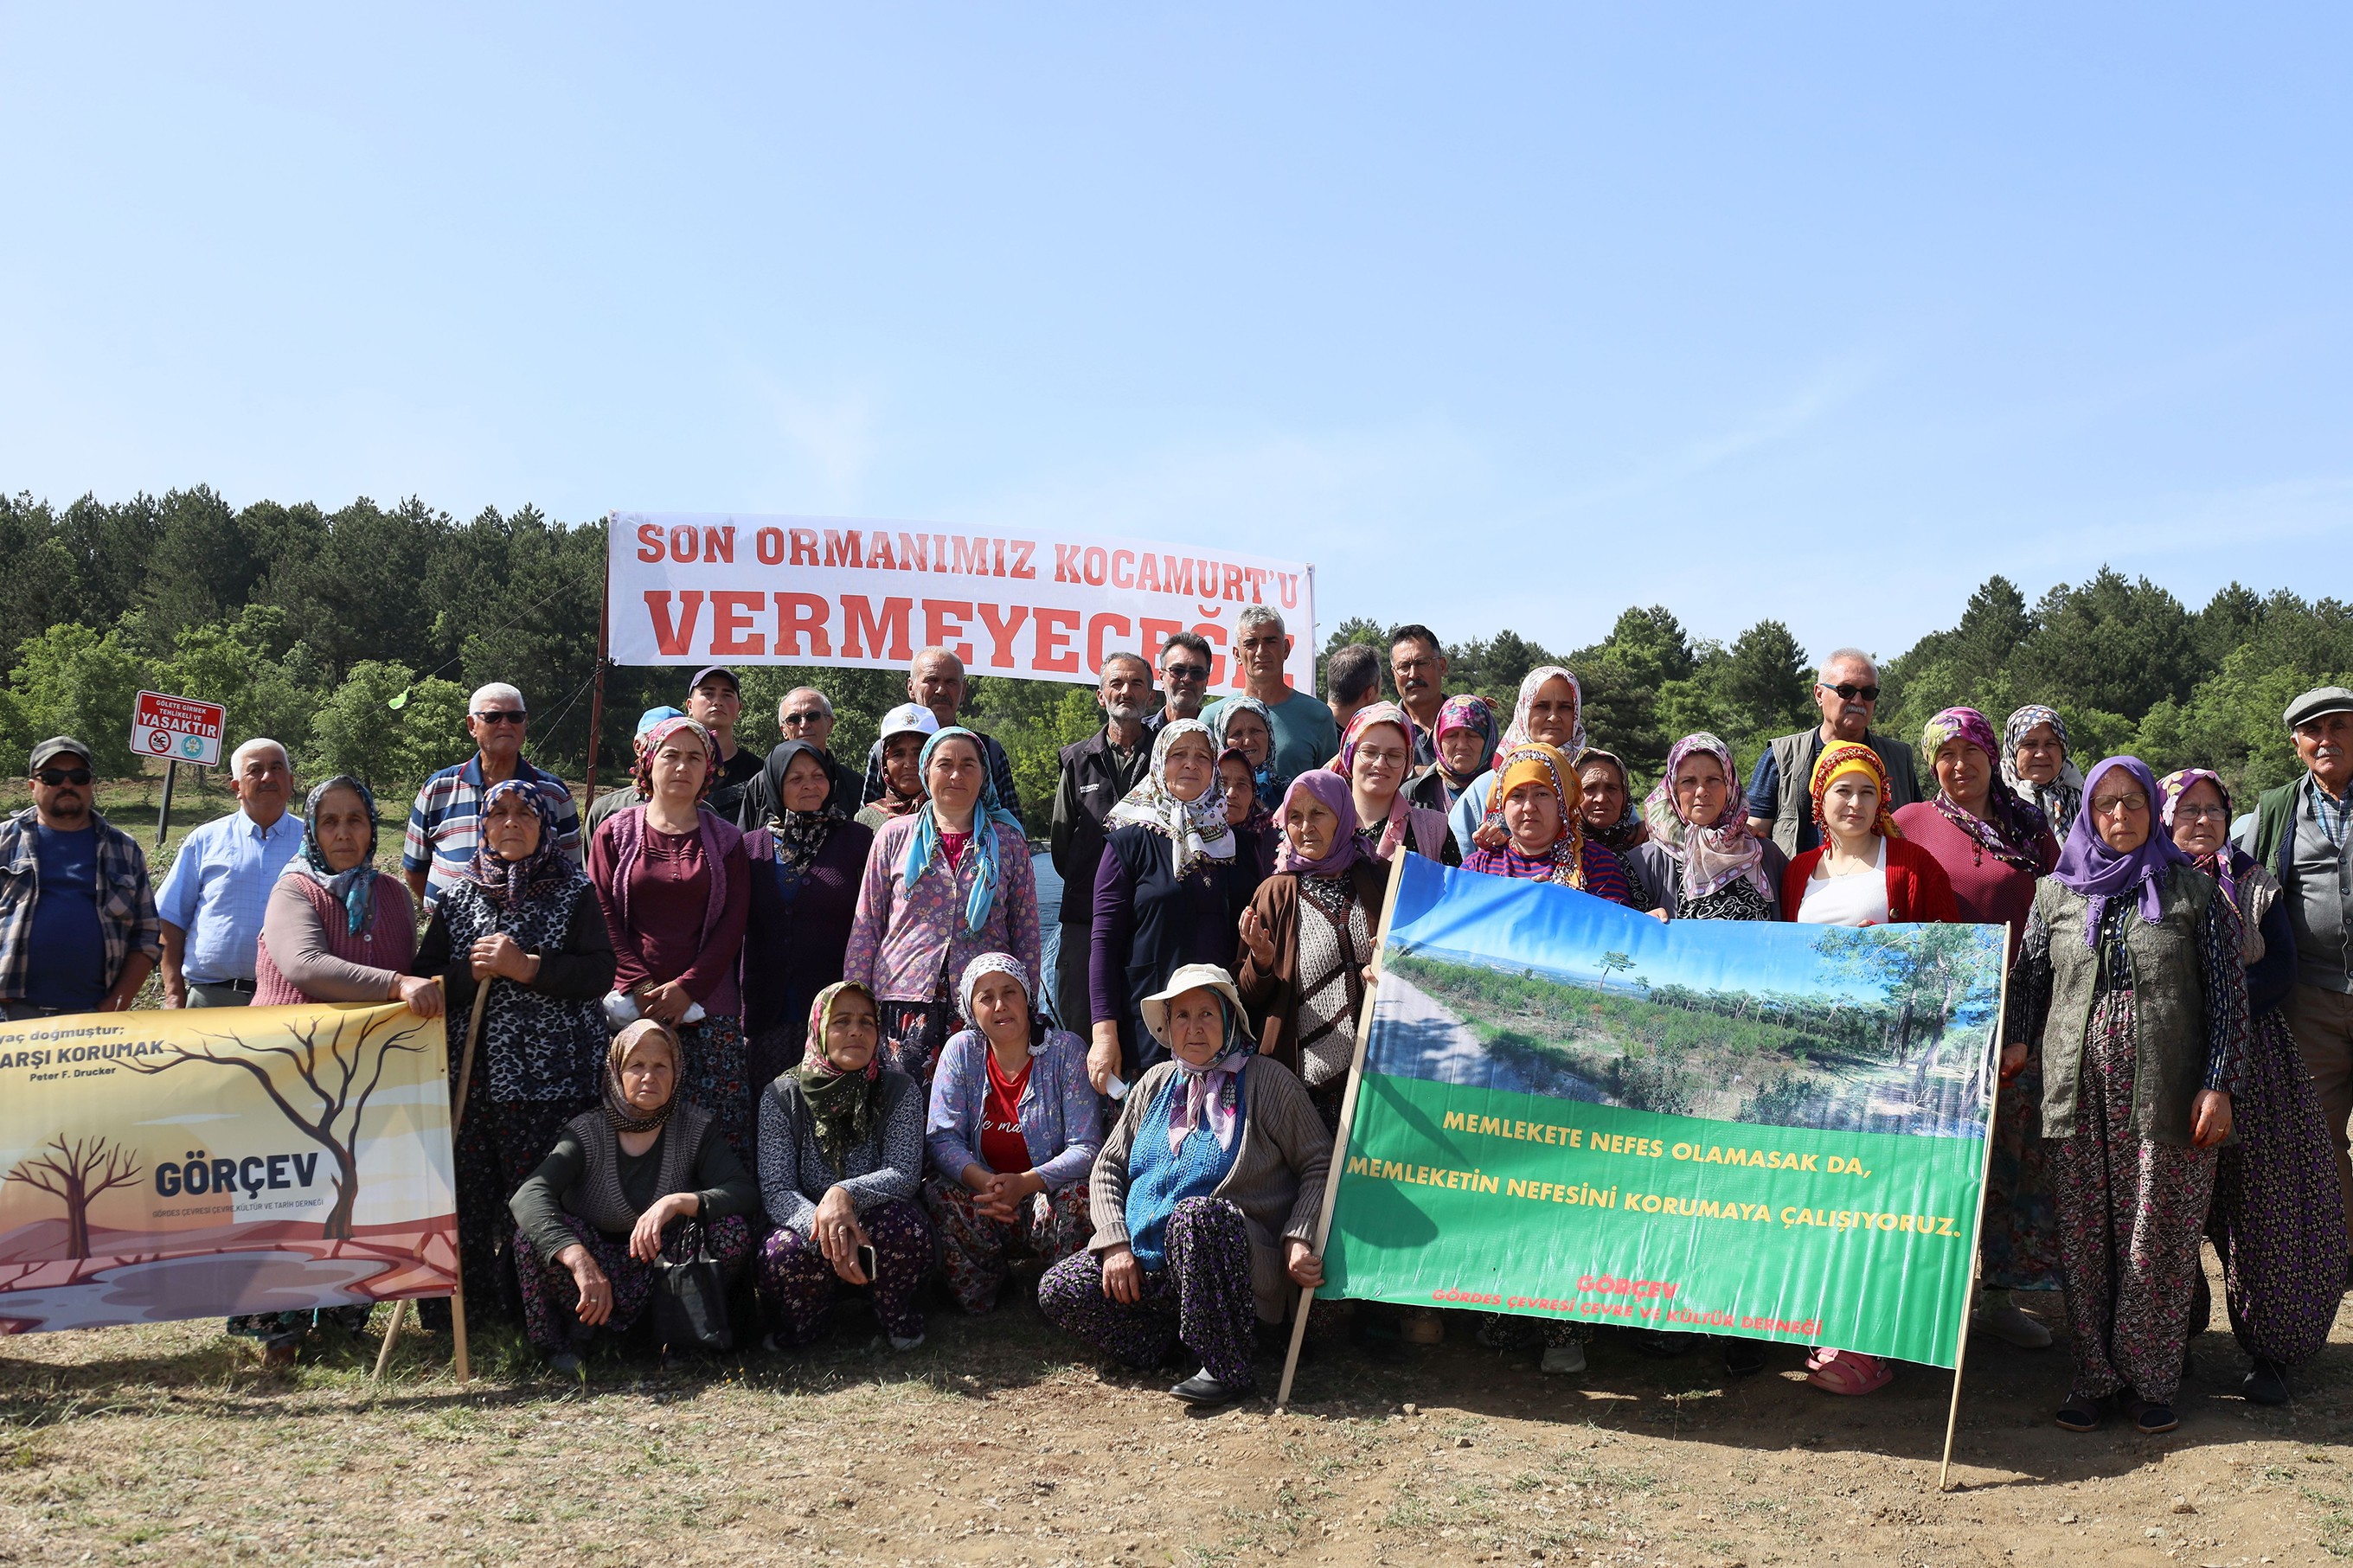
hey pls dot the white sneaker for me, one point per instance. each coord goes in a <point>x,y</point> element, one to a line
<point>1563,1361</point>
<point>2012,1325</point>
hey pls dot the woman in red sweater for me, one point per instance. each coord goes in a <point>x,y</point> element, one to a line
<point>1864,873</point>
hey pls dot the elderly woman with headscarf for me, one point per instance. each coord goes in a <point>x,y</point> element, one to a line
<point>1376,758</point>
<point>807,859</point>
<point>1533,830</point>
<point>2274,1222</point>
<point>1466,740</point>
<point>1244,724</point>
<point>943,884</point>
<point>1205,1199</point>
<point>2039,769</point>
<point>610,1200</point>
<point>1013,1130</point>
<point>1168,892</point>
<point>2131,987</point>
<point>1550,711</point>
<point>525,922</point>
<point>1256,838</point>
<point>1308,940</point>
<point>1865,872</point>
<point>336,930</point>
<point>676,888</point>
<point>1698,860</point>
<point>841,1161</point>
<point>1993,846</point>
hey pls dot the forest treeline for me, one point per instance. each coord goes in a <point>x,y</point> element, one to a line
<point>355,635</point>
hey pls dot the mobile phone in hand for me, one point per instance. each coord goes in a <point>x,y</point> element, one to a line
<point>1118,1089</point>
<point>866,1263</point>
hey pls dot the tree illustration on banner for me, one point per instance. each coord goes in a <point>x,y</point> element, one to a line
<point>75,1173</point>
<point>339,1072</point>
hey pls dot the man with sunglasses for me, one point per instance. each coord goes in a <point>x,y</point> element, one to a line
<point>1848,694</point>
<point>445,821</point>
<point>936,682</point>
<point>79,931</point>
<point>1185,666</point>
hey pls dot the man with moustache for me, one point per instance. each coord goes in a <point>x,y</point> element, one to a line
<point>1417,668</point>
<point>936,680</point>
<point>78,926</point>
<point>1097,774</point>
<point>1185,666</point>
<point>1847,692</point>
<point>214,897</point>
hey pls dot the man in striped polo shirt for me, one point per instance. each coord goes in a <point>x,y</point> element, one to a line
<point>443,825</point>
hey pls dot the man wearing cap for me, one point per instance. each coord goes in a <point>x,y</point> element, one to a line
<point>714,700</point>
<point>445,822</point>
<point>215,895</point>
<point>2300,831</point>
<point>804,713</point>
<point>936,682</point>
<point>621,799</point>
<point>904,732</point>
<point>1097,774</point>
<point>78,926</point>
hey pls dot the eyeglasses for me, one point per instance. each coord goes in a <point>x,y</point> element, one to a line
<point>2120,806</point>
<point>791,719</point>
<point>55,776</point>
<point>2201,813</point>
<point>1185,671</point>
<point>1850,693</point>
<point>504,716</point>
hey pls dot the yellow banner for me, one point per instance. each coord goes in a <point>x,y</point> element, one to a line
<point>217,1161</point>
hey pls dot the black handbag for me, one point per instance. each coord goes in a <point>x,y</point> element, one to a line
<point>691,1299</point>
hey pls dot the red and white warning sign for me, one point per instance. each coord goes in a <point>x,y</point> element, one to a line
<point>177,729</point>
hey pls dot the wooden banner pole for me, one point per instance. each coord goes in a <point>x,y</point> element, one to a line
<point>457,1295</point>
<point>1984,1174</point>
<point>1347,1120</point>
<point>596,698</point>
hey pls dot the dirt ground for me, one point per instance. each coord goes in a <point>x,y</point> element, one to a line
<point>996,1443</point>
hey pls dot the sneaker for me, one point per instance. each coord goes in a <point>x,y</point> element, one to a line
<point>2265,1382</point>
<point>2011,1325</point>
<point>905,1343</point>
<point>1562,1361</point>
<point>1203,1391</point>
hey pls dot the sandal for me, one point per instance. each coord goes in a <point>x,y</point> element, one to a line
<point>2150,1417</point>
<point>1850,1373</point>
<point>2082,1413</point>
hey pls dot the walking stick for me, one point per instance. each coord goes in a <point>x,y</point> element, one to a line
<point>456,1119</point>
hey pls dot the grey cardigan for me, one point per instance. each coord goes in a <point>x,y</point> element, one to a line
<point>1276,1178</point>
<point>795,1172</point>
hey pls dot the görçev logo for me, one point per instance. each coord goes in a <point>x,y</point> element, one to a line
<point>200,1174</point>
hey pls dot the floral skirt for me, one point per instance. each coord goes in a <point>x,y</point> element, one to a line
<point>1201,1299</point>
<point>2276,1219</point>
<point>550,1297</point>
<point>2018,1246</point>
<point>716,1078</point>
<point>976,1252</point>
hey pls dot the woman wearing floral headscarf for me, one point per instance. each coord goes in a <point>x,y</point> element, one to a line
<point>525,922</point>
<point>807,860</point>
<point>2275,1220</point>
<point>943,884</point>
<point>677,890</point>
<point>841,1161</point>
<point>1168,893</point>
<point>1699,862</point>
<point>1465,738</point>
<point>607,1204</point>
<point>1205,1200</point>
<point>1550,710</point>
<point>2038,768</point>
<point>1533,830</point>
<point>2131,988</point>
<point>1014,1126</point>
<point>1376,756</point>
<point>1993,846</point>
<point>1243,723</point>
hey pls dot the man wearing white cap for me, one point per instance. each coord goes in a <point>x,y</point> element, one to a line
<point>2301,833</point>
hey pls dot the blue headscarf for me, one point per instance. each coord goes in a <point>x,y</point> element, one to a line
<point>354,888</point>
<point>926,845</point>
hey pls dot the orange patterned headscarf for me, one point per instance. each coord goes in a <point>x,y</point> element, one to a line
<point>1849,757</point>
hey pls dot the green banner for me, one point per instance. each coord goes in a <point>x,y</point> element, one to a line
<point>1567,1109</point>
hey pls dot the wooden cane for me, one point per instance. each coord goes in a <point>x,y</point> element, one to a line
<point>457,1118</point>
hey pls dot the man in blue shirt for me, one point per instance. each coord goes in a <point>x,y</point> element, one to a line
<point>77,927</point>
<point>214,894</point>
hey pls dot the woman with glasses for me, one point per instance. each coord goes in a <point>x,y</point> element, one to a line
<point>2274,1221</point>
<point>2131,990</point>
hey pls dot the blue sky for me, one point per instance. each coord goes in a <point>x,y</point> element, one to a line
<point>1595,306</point>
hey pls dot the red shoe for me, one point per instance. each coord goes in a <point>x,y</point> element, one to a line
<point>1847,1371</point>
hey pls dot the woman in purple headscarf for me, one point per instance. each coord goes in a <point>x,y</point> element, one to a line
<point>1307,938</point>
<point>2274,1221</point>
<point>2130,991</point>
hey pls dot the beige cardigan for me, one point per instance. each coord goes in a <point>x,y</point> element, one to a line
<point>1276,1178</point>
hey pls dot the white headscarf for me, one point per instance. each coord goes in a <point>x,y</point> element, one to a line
<point>1196,830</point>
<point>1530,684</point>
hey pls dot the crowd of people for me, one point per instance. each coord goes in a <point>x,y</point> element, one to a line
<point>792,1014</point>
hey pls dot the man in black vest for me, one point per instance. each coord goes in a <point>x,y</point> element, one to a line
<point>1780,793</point>
<point>1097,774</point>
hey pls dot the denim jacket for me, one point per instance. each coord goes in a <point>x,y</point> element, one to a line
<point>1061,1119</point>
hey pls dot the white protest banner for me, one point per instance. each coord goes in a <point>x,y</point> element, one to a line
<point>177,729</point>
<point>706,588</point>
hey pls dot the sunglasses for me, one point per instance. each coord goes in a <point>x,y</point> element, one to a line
<point>805,718</point>
<point>504,716</point>
<point>1850,693</point>
<point>1185,671</point>
<point>55,776</point>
